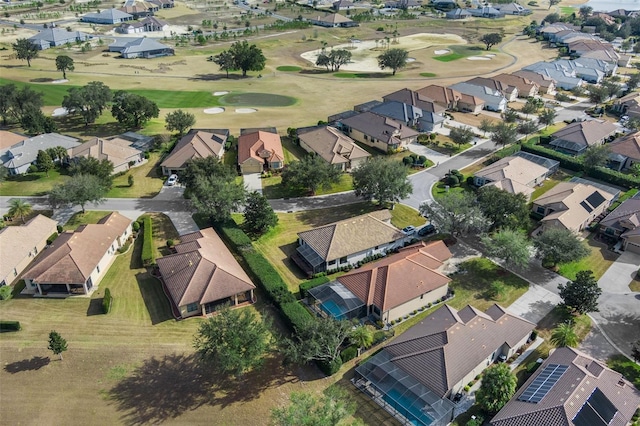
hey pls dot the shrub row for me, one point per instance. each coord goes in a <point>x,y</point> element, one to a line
<point>52,238</point>
<point>9,326</point>
<point>5,292</point>
<point>330,367</point>
<point>566,161</point>
<point>234,234</point>
<point>148,257</point>
<point>313,283</point>
<point>106,301</point>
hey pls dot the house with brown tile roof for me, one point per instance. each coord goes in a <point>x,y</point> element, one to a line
<point>333,146</point>
<point>573,389</point>
<point>377,131</point>
<point>625,151</point>
<point>575,138</point>
<point>509,92</point>
<point>203,276</point>
<point>19,246</point>
<point>571,205</point>
<point>444,96</point>
<point>76,261</point>
<point>546,83</point>
<point>410,97</point>
<point>347,241</point>
<point>260,150</point>
<point>624,223</point>
<point>195,144</point>
<point>8,139</point>
<point>118,151</point>
<point>525,86</point>
<point>436,358</point>
<point>393,286</point>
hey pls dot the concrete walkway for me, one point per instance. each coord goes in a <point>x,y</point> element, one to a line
<point>620,274</point>
<point>253,182</point>
<point>535,304</point>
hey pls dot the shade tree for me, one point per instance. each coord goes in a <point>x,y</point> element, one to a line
<point>382,180</point>
<point>334,59</point>
<point>456,213</point>
<point>504,134</point>
<point>306,409</point>
<point>25,50</point>
<point>64,63</point>
<point>512,246</point>
<point>44,162</point>
<point>559,245</point>
<point>581,294</point>
<point>102,169</point>
<point>491,39</point>
<point>503,208</point>
<point>393,58</point>
<point>180,121</point>
<point>247,57</point>
<point>132,110</point>
<point>81,190</point>
<point>461,135</point>
<point>311,173</point>
<point>88,101</point>
<point>258,214</point>
<point>497,387</point>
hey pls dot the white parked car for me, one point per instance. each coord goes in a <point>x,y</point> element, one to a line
<point>173,179</point>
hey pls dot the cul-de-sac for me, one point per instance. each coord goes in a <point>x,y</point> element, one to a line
<point>320,212</point>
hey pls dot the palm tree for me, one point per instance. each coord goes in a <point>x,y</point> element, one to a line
<point>565,335</point>
<point>20,208</point>
<point>362,337</point>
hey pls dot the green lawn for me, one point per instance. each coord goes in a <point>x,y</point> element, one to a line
<point>549,183</point>
<point>427,74</point>
<point>33,184</point>
<point>272,188</point>
<point>147,180</point>
<point>289,68</point>
<point>629,369</point>
<point>86,218</point>
<point>403,216</point>
<point>461,51</point>
<point>598,261</point>
<point>567,10</point>
<point>292,151</point>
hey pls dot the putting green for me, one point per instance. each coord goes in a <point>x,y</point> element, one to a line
<point>256,100</point>
<point>289,68</point>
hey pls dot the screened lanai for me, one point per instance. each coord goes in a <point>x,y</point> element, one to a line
<point>401,394</point>
<point>336,300</point>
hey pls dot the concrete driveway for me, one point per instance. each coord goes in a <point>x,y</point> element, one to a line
<point>253,182</point>
<point>535,304</point>
<point>620,274</point>
<point>435,156</point>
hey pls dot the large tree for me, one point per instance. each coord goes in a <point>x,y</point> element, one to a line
<point>57,344</point>
<point>179,120</point>
<point>510,245</point>
<point>382,180</point>
<point>64,63</point>
<point>503,208</point>
<point>102,169</point>
<point>312,172</point>
<point>20,208</point>
<point>486,125</point>
<point>247,57</point>
<point>258,214</point>
<point>547,116</point>
<point>44,162</point>
<point>25,50</point>
<point>456,213</point>
<point>305,409</point>
<point>7,94</point>
<point>21,102</point>
<point>559,245</point>
<point>88,101</point>
<point>318,340</point>
<point>80,190</point>
<point>233,341</point>
<point>461,135</point>
<point>595,156</point>
<point>491,39</point>
<point>565,335</point>
<point>581,295</point>
<point>635,351</point>
<point>36,123</point>
<point>504,134</point>
<point>393,58</point>
<point>334,59</point>
<point>497,387</point>
<point>225,61</point>
<point>133,110</point>
<point>597,94</point>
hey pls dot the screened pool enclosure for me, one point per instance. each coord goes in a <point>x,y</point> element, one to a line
<point>335,300</point>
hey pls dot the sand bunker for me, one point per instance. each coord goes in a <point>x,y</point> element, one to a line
<point>490,55</point>
<point>62,80</point>
<point>246,110</point>
<point>59,112</point>
<point>222,93</point>
<point>441,51</point>
<point>478,58</point>
<point>411,59</point>
<point>216,110</point>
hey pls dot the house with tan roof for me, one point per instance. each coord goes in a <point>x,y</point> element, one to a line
<point>624,223</point>
<point>624,152</point>
<point>203,276</point>
<point>19,246</point>
<point>346,242</point>
<point>419,371</point>
<point>444,96</point>
<point>333,20</point>
<point>571,388</point>
<point>517,174</point>
<point>333,146</point>
<point>76,261</point>
<point>571,205</point>
<point>118,151</point>
<point>7,139</point>
<point>413,98</point>
<point>575,138</point>
<point>389,288</point>
<point>195,144</point>
<point>258,151</point>
<point>546,83</point>
<point>377,131</point>
<point>525,86</point>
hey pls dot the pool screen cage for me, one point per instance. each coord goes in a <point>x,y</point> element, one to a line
<point>336,300</point>
<point>400,394</point>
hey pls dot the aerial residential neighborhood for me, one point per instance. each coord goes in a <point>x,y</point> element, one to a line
<point>296,212</point>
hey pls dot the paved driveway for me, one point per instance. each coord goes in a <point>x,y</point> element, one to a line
<point>620,273</point>
<point>535,304</point>
<point>253,182</point>
<point>435,156</point>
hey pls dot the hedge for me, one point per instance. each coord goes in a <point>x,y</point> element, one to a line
<point>330,367</point>
<point>313,283</point>
<point>106,301</point>
<point>9,326</point>
<point>234,234</point>
<point>267,277</point>
<point>295,315</point>
<point>348,354</point>
<point>52,238</point>
<point>148,257</point>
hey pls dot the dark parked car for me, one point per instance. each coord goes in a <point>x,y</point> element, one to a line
<point>427,230</point>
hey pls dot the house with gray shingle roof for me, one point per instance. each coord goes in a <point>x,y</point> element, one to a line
<point>52,37</point>
<point>107,17</point>
<point>493,100</point>
<point>458,14</point>
<point>625,151</point>
<point>428,364</point>
<point>513,9</point>
<point>17,158</point>
<point>195,144</point>
<point>575,138</point>
<point>140,48</point>
<point>573,389</point>
<point>410,115</point>
<point>377,131</point>
<point>486,12</point>
<point>624,222</point>
<point>333,20</point>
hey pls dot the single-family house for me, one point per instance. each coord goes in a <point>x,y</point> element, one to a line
<point>52,37</point>
<point>571,205</point>
<point>118,151</point>
<point>513,9</point>
<point>387,289</point>
<point>19,246</point>
<point>508,91</point>
<point>548,31</point>
<point>486,12</point>
<point>137,140</point>
<point>203,276</point>
<point>148,24</point>
<point>415,99</point>
<point>624,223</point>
<point>546,83</point>
<point>410,115</point>
<point>76,262</point>
<point>441,95</point>
<point>517,174</point>
<point>526,87</point>
<point>139,9</point>
<point>571,388</point>
<point>107,17</point>
<point>563,78</point>
<point>403,4</point>
<point>333,20</point>
<point>346,242</point>
<point>163,4</point>
<point>493,100</point>
<point>575,138</point>
<point>195,144</point>
<point>378,131</point>
<point>628,105</point>
<point>415,375</point>
<point>444,4</point>
<point>258,151</point>
<point>590,70</point>
<point>17,158</point>
<point>7,139</point>
<point>624,152</point>
<point>333,146</point>
<point>342,5</point>
<point>458,14</point>
<point>140,48</point>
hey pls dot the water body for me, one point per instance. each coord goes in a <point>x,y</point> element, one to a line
<point>609,5</point>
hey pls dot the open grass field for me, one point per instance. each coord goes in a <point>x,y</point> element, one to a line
<point>147,180</point>
<point>32,184</point>
<point>600,259</point>
<point>272,188</point>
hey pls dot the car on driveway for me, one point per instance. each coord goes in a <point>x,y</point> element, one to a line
<point>173,179</point>
<point>409,230</point>
<point>427,230</point>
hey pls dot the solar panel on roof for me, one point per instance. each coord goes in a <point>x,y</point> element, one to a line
<point>543,383</point>
<point>595,199</point>
<point>597,410</point>
<point>586,206</point>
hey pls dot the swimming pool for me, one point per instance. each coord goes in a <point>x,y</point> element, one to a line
<point>402,404</point>
<point>332,308</point>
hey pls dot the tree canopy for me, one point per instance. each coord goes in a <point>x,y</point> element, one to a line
<point>225,61</point>
<point>393,58</point>
<point>503,208</point>
<point>491,39</point>
<point>44,162</point>
<point>57,344</point>
<point>382,180</point>
<point>595,156</point>
<point>133,110</point>
<point>35,122</point>
<point>258,214</point>
<point>102,169</point>
<point>456,213</point>
<point>334,59</point>
<point>318,340</point>
<point>559,245</point>
<point>233,341</point>
<point>64,63</point>
<point>81,190</point>
<point>88,101</point>
<point>565,335</point>
<point>461,135</point>
<point>247,57</point>
<point>497,387</point>
<point>547,116</point>
<point>25,50</point>
<point>16,104</point>
<point>510,245</point>
<point>306,409</point>
<point>581,295</point>
<point>312,172</point>
<point>20,208</point>
<point>504,134</point>
<point>180,121</point>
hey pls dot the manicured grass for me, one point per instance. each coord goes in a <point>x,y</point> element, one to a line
<point>147,180</point>
<point>351,75</point>
<point>33,184</point>
<point>272,188</point>
<point>162,230</point>
<point>292,151</point>
<point>257,100</point>
<point>567,10</point>
<point>439,190</point>
<point>598,261</point>
<point>404,216</point>
<point>427,74</point>
<point>289,68</point>
<point>89,217</point>
<point>449,57</point>
<point>549,183</point>
<point>629,369</point>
